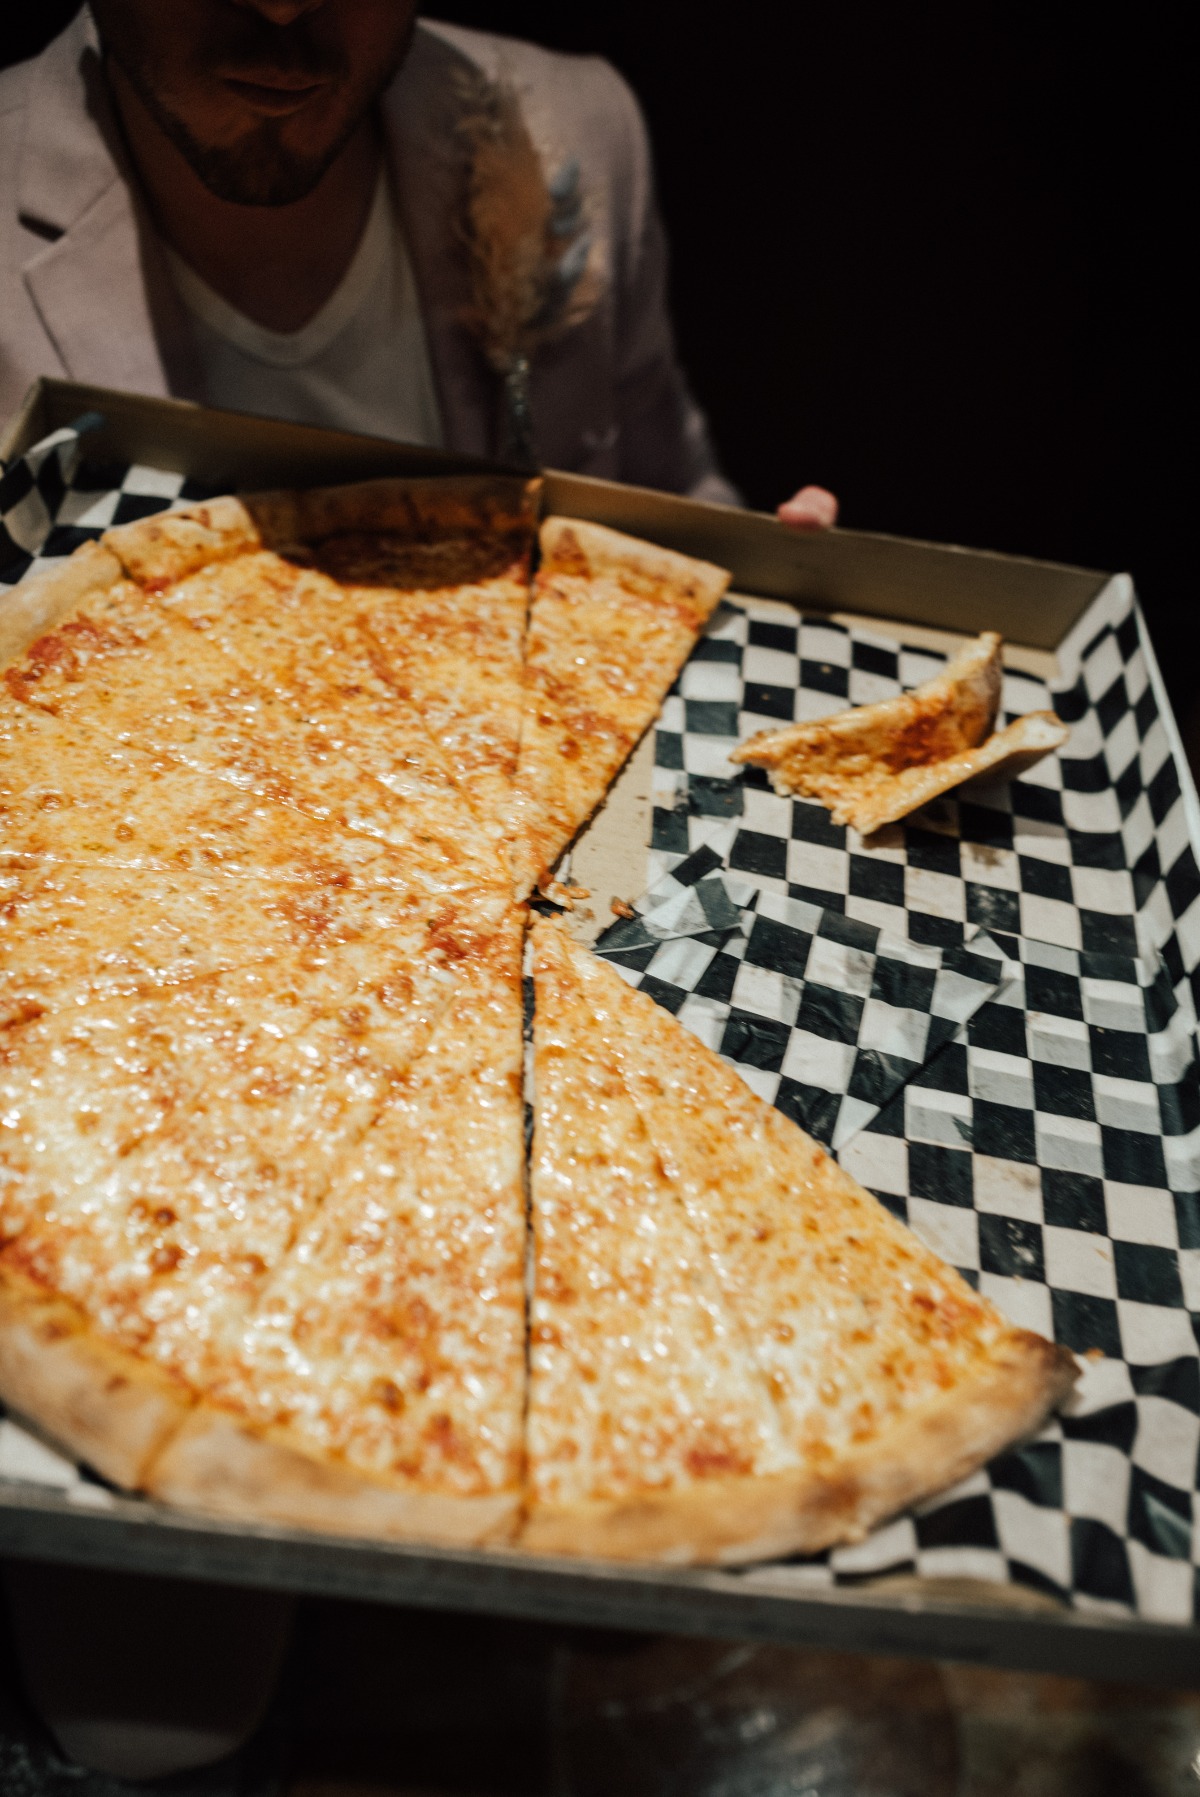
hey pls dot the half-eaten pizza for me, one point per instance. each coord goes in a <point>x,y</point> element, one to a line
<point>277,778</point>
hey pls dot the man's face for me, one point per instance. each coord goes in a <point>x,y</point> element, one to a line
<point>259,95</point>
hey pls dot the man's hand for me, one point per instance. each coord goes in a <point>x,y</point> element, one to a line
<point>812,508</point>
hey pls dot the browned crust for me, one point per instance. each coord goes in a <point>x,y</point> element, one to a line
<point>42,601</point>
<point>594,552</point>
<point>168,546</point>
<point>741,1520</point>
<point>953,712</point>
<point>103,1404</point>
<point>1009,753</point>
<point>422,511</point>
<point>874,764</point>
<point>215,1464</point>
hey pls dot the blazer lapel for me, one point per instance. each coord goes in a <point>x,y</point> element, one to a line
<point>101,286</point>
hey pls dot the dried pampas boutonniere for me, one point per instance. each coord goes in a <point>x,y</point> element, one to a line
<point>528,247</point>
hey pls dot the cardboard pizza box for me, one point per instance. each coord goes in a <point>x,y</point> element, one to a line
<point>918,594</point>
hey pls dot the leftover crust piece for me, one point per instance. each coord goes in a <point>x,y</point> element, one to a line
<point>874,764</point>
<point>1004,756</point>
<point>612,622</point>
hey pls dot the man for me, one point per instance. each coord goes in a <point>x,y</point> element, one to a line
<point>261,204</point>
<point>266,205</point>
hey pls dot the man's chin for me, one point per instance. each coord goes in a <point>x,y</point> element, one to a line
<point>257,175</point>
<point>260,167</point>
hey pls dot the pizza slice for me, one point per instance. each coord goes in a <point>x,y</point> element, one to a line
<point>379,1386</point>
<point>69,796</point>
<point>893,1378</point>
<point>612,622</point>
<point>294,631</point>
<point>162,1152</point>
<point>651,1431</point>
<point>445,628</point>
<point>877,763</point>
<point>125,665</point>
<point>71,935</point>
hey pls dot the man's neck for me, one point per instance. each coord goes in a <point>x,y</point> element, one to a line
<point>276,264</point>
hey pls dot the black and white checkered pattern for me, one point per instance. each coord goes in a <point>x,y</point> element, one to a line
<point>1049,1145</point>
<point>822,1014</point>
<point>1051,1148</point>
<point>52,500</point>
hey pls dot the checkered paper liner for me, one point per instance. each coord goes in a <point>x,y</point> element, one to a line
<point>1046,1141</point>
<point>825,1015</point>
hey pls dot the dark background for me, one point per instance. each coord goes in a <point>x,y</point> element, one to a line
<point>931,257</point>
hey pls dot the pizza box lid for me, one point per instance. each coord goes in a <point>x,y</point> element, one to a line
<point>926,593</point>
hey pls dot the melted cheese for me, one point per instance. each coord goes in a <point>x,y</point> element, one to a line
<point>128,668</point>
<point>72,796</point>
<point>293,630</point>
<point>607,636</point>
<point>392,1337</point>
<point>70,934</point>
<point>448,635</point>
<point>853,1321</point>
<point>640,1380</point>
<point>158,1155</point>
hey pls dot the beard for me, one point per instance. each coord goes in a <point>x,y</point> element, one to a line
<point>262,161</point>
<point>261,168</point>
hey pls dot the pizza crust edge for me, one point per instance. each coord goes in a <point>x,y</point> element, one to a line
<point>566,542</point>
<point>40,603</point>
<point>214,1464</point>
<point>102,1403</point>
<point>158,550</point>
<point>145,1431</point>
<point>736,1521</point>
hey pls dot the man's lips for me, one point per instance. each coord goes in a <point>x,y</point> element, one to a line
<point>275,93</point>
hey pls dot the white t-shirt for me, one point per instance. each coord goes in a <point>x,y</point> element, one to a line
<point>360,364</point>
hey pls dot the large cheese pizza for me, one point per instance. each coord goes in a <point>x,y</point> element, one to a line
<point>278,779</point>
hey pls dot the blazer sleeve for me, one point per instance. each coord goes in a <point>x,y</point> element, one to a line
<point>664,436</point>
